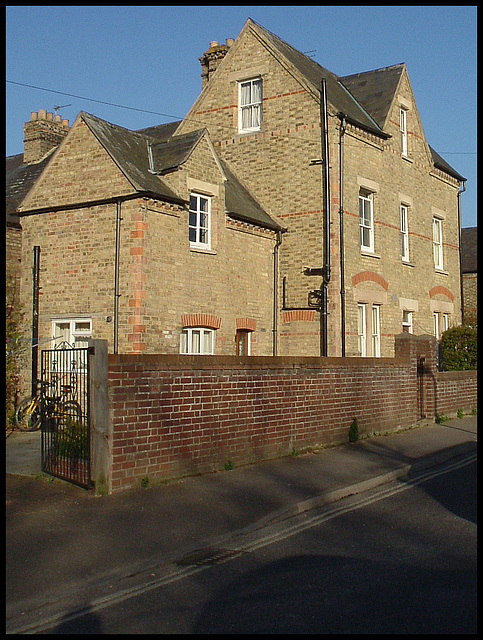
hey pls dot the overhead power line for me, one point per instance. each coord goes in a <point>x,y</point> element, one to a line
<point>111,104</point>
<point>176,117</point>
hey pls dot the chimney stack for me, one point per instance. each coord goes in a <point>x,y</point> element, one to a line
<point>212,58</point>
<point>41,134</point>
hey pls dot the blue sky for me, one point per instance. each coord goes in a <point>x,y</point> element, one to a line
<point>146,58</point>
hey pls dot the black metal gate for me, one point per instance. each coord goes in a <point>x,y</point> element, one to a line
<point>64,396</point>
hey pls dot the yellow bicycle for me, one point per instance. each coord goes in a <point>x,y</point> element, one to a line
<point>58,409</point>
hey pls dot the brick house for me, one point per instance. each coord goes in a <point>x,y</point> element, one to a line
<point>213,234</point>
<point>469,273</point>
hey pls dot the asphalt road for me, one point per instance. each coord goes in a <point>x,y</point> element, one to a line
<point>398,559</point>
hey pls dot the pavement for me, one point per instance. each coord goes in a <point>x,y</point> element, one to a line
<point>63,539</point>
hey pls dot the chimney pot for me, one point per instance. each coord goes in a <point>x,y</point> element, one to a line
<point>229,42</point>
<point>50,117</point>
<point>33,115</point>
<point>65,123</point>
<point>213,43</point>
<point>57,118</point>
<point>42,114</point>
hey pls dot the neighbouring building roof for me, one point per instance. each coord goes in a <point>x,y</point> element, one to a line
<point>20,178</point>
<point>469,259</point>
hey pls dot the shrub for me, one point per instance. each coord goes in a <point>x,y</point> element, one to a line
<point>354,431</point>
<point>458,348</point>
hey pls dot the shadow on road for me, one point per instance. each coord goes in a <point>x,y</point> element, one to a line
<point>317,594</point>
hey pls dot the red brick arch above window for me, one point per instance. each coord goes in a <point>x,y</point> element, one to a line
<point>365,276</point>
<point>298,315</point>
<point>442,290</point>
<point>247,324</point>
<point>201,320</point>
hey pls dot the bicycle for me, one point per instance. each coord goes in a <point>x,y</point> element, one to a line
<point>58,409</point>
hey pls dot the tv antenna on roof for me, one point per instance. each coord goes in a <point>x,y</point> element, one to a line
<point>57,107</point>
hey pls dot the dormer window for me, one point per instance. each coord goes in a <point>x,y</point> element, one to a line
<point>250,105</point>
<point>404,130</point>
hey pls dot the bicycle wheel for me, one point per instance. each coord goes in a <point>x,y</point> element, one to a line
<point>27,415</point>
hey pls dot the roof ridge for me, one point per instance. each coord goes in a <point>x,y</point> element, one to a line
<point>362,73</point>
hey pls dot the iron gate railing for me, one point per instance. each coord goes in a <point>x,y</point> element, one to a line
<point>64,406</point>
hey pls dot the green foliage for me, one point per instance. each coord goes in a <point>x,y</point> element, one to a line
<point>441,419</point>
<point>145,482</point>
<point>228,466</point>
<point>354,431</point>
<point>458,348</point>
<point>459,413</point>
<point>72,440</point>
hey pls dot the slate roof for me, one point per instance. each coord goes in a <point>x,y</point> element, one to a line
<point>374,90</point>
<point>20,178</point>
<point>469,259</point>
<point>169,154</point>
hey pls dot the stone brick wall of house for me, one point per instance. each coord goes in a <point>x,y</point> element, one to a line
<point>470,295</point>
<point>180,415</point>
<point>276,163</point>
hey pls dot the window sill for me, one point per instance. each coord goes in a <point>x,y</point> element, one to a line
<point>248,132</point>
<point>442,272</point>
<point>407,158</point>
<point>407,263</point>
<point>369,254</point>
<point>202,250</point>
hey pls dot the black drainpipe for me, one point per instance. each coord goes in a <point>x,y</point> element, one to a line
<point>275,292</point>
<point>35,318</point>
<point>326,269</point>
<point>341,230</point>
<point>116,276</point>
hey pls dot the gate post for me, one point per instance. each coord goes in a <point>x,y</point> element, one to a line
<point>100,427</point>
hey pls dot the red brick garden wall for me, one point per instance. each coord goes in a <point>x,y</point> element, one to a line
<point>182,415</point>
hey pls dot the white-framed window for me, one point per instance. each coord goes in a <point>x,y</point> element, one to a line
<point>404,233</point>
<point>407,321</point>
<point>250,105</point>
<point>199,221</point>
<point>376,332</point>
<point>74,331</point>
<point>445,322</point>
<point>436,325</point>
<point>361,329</point>
<point>366,220</point>
<point>197,341</point>
<point>438,243</point>
<point>403,125</point>
<point>243,342</point>
<point>70,332</point>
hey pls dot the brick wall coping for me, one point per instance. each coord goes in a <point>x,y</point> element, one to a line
<point>193,363</point>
